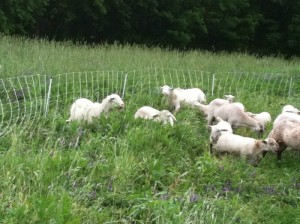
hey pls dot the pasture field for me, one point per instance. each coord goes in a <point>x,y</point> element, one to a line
<point>122,170</point>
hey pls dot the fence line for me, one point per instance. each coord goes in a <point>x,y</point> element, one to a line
<point>28,97</point>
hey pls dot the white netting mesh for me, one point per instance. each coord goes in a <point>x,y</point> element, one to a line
<point>29,97</point>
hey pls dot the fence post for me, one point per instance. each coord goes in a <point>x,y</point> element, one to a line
<point>290,87</point>
<point>124,85</point>
<point>48,97</point>
<point>213,85</point>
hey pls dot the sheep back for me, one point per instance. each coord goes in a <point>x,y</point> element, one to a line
<point>79,109</point>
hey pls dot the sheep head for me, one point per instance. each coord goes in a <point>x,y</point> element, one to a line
<point>270,145</point>
<point>290,109</point>
<point>216,132</point>
<point>230,98</point>
<point>166,90</point>
<point>165,116</point>
<point>116,101</point>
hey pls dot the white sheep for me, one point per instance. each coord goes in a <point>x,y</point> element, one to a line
<point>244,146</point>
<point>216,103</point>
<point>230,98</point>
<point>205,109</point>
<point>147,112</point>
<point>217,129</point>
<point>86,110</point>
<point>290,109</point>
<point>235,116</point>
<point>289,112</point>
<point>264,117</point>
<point>287,134</point>
<point>178,96</point>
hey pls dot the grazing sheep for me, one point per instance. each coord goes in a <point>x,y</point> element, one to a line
<point>216,103</point>
<point>147,112</point>
<point>211,106</point>
<point>202,107</point>
<point>217,129</point>
<point>178,96</point>
<point>287,134</point>
<point>84,109</point>
<point>235,116</point>
<point>244,146</point>
<point>288,113</point>
<point>263,117</point>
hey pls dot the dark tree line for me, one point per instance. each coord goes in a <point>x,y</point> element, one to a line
<point>264,27</point>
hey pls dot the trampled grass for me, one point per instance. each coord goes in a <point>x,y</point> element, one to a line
<point>122,170</point>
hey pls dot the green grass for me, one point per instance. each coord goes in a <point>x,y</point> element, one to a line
<point>122,170</point>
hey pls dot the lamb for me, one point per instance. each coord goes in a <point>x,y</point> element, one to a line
<point>230,98</point>
<point>205,109</point>
<point>289,112</point>
<point>287,134</point>
<point>263,118</point>
<point>214,104</point>
<point>84,109</point>
<point>178,96</point>
<point>235,116</point>
<point>218,129</point>
<point>147,112</point>
<point>244,146</point>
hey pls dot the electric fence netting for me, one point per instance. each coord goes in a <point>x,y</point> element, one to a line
<point>26,99</point>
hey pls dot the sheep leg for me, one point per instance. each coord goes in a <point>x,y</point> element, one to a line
<point>211,148</point>
<point>177,106</point>
<point>264,153</point>
<point>210,119</point>
<point>282,147</point>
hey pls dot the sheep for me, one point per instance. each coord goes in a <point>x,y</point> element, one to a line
<point>264,117</point>
<point>230,98</point>
<point>84,109</point>
<point>246,147</point>
<point>235,116</point>
<point>288,112</point>
<point>205,109</point>
<point>217,129</point>
<point>287,134</point>
<point>147,112</point>
<point>214,104</point>
<point>178,96</point>
<point>290,109</point>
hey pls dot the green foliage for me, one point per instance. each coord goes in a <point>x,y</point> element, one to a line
<point>263,27</point>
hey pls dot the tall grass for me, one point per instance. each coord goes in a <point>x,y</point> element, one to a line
<point>20,56</point>
<point>122,170</point>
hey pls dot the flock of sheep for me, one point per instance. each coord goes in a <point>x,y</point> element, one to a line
<point>223,115</point>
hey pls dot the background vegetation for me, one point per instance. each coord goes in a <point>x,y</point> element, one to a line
<point>261,27</point>
<point>131,171</point>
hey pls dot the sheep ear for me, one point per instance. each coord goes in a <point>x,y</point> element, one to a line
<point>171,121</point>
<point>219,119</point>
<point>265,142</point>
<point>154,116</point>
<point>173,117</point>
<point>111,99</point>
